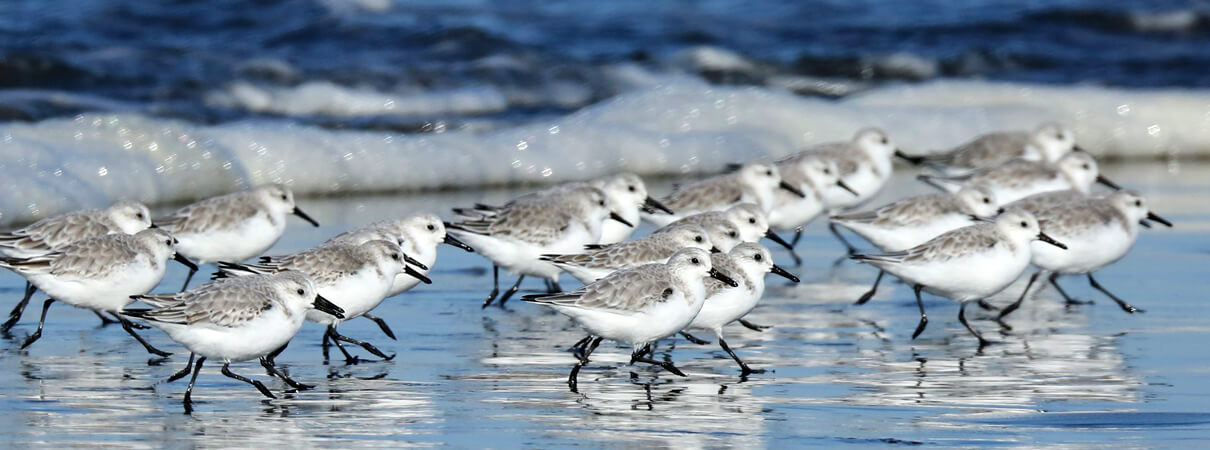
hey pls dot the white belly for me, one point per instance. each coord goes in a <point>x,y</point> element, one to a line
<point>251,238</point>
<point>250,341</point>
<point>107,294</point>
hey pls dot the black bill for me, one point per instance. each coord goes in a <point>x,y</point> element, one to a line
<point>792,189</point>
<point>184,261</point>
<point>846,187</point>
<point>620,219</point>
<point>909,158</point>
<point>1049,240</point>
<point>1157,218</point>
<point>715,250</point>
<point>775,238</point>
<point>651,205</point>
<point>1105,181</point>
<point>451,240</point>
<point>324,306</point>
<point>780,271</point>
<point>417,275</point>
<point>412,261</point>
<point>300,213</point>
<point>720,277</point>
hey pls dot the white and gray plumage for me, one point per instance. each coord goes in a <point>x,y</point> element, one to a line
<point>751,183</point>
<point>235,319</point>
<point>746,218</point>
<point>1098,231</point>
<point>1020,178</point>
<point>640,305</point>
<point>747,264</point>
<point>53,233</point>
<point>966,264</point>
<point>100,273</point>
<point>1046,143</point>
<point>907,223</point>
<point>233,227</point>
<point>864,164</point>
<point>597,262</point>
<point>418,237</point>
<point>812,174</point>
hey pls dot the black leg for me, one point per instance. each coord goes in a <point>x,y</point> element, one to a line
<point>181,373</point>
<point>331,334</point>
<point>495,285</point>
<point>987,306</point>
<point>129,327</point>
<point>873,289</point>
<point>42,321</point>
<point>188,278</point>
<point>337,337</point>
<point>1017,304</point>
<point>382,324</point>
<point>325,345</point>
<point>665,364</point>
<point>105,321</point>
<point>272,356</point>
<point>693,339</point>
<point>1070,301</point>
<point>272,369</point>
<point>15,315</point>
<point>924,318</point>
<point>1125,306</point>
<point>572,378</point>
<point>511,290</point>
<point>554,288</point>
<point>753,326</point>
<point>797,236</point>
<point>962,318</point>
<point>836,232</point>
<point>578,348</point>
<point>744,369</point>
<point>197,368</point>
<point>794,243</point>
<point>259,386</point>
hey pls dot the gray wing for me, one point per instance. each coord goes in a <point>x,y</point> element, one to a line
<point>55,232</point>
<point>529,222</point>
<point>910,211</point>
<point>227,303</point>
<point>707,194</point>
<point>986,151</point>
<point>324,264</point>
<point>840,153</point>
<point>221,212</point>
<point>93,257</point>
<point>625,291</point>
<point>1016,174</point>
<point>646,249</point>
<point>947,246</point>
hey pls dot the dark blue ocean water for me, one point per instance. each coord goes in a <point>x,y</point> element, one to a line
<point>524,58</point>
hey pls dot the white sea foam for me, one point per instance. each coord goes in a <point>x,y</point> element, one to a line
<point>56,165</point>
<point>325,98</point>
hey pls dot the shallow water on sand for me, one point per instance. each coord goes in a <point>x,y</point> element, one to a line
<point>838,373</point>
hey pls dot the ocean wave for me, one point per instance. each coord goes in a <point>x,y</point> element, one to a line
<point>1176,21</point>
<point>680,128</point>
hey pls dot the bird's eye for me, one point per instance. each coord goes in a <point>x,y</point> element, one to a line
<point>884,141</point>
<point>1138,203</point>
<point>1060,136</point>
<point>987,200</point>
<point>1086,167</point>
<point>695,261</point>
<point>758,257</point>
<point>631,188</point>
<point>752,220</point>
<point>697,238</point>
<point>283,197</point>
<point>602,203</point>
<point>769,173</point>
<point>139,215</point>
<point>431,227</point>
<point>733,234</point>
<point>395,256</point>
<point>827,171</point>
<point>168,242</point>
<point>300,292</point>
<point>1024,225</point>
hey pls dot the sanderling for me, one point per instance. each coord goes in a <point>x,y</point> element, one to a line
<point>913,221</point>
<point>419,236</point>
<point>235,319</point>
<point>232,227</point>
<point>865,166</point>
<point>749,183</point>
<point>53,233</point>
<point>637,306</point>
<point>811,174</point>
<point>748,218</point>
<point>1020,178</point>
<point>747,264</point>
<point>1047,143</point>
<point>1097,231</point>
<point>355,277</point>
<point>100,273</point>
<point>516,236</point>
<point>966,264</point>
<point>599,261</point>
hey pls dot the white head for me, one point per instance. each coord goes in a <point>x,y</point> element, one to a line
<point>819,172</point>
<point>875,143</point>
<point>1022,227</point>
<point>1080,169</point>
<point>423,231</point>
<point>688,236</point>
<point>1134,207</point>
<point>751,221</point>
<point>723,234</point>
<point>978,201</point>
<point>625,190</point>
<point>591,205</point>
<point>297,294</point>
<point>760,180</point>
<point>279,200</point>
<point>385,254</point>
<point>1053,140</point>
<point>161,244</point>
<point>756,261</point>
<point>693,264</point>
<point>130,217</point>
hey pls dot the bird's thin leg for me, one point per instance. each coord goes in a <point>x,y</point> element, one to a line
<point>271,367</point>
<point>41,321</point>
<point>188,278</point>
<point>184,371</point>
<point>873,289</point>
<point>924,318</point>
<point>744,369</point>
<point>694,339</point>
<point>1125,306</point>
<point>962,318</point>
<point>1067,298</point>
<point>129,327</point>
<point>511,290</point>
<point>256,383</point>
<point>18,310</point>
<point>836,232</point>
<point>337,337</point>
<point>1017,304</point>
<point>573,377</point>
<point>382,324</point>
<point>197,368</point>
<point>754,326</point>
<point>495,286</point>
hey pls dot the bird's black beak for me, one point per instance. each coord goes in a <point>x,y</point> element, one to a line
<point>715,250</point>
<point>620,219</point>
<point>775,238</point>
<point>1000,211</point>
<point>417,275</point>
<point>451,240</point>
<point>909,158</point>
<point>178,257</point>
<point>324,306</point>
<point>414,262</point>
<point>153,226</point>
<point>714,273</point>
<point>780,271</point>
<point>1105,181</point>
<point>300,213</point>
<point>846,187</point>
<point>650,205</point>
<point>1157,218</point>
<point>1049,240</point>
<point>792,189</point>
<point>1145,223</point>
